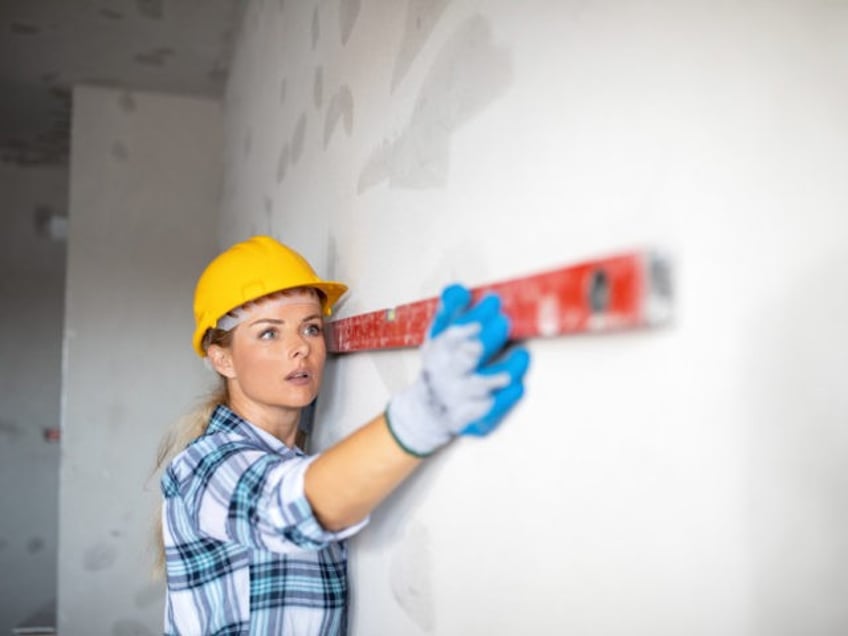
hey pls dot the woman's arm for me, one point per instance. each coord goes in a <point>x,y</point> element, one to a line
<point>347,481</point>
<point>459,391</point>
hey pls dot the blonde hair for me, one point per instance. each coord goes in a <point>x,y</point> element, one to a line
<point>185,430</point>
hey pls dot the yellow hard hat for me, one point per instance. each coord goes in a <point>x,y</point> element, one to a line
<point>249,270</point>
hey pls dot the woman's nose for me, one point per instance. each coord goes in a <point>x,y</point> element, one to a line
<point>300,347</point>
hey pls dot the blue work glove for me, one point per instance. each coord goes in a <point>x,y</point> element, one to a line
<point>463,388</point>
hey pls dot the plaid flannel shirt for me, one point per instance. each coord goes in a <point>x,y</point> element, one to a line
<point>244,553</point>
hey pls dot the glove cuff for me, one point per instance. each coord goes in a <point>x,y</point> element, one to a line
<point>414,428</point>
<point>399,441</point>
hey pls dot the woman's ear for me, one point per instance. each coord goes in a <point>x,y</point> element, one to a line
<point>221,360</point>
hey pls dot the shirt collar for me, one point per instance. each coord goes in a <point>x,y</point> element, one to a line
<point>225,420</point>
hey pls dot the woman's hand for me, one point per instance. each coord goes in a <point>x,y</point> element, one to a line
<point>464,387</point>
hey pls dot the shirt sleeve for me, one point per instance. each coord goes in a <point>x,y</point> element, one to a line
<point>257,499</point>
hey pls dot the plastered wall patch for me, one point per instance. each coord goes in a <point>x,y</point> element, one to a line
<point>378,167</point>
<point>35,545</point>
<point>10,431</point>
<point>348,12</point>
<point>110,14</point>
<point>151,9</point>
<point>119,151</point>
<point>332,259</point>
<point>149,595</point>
<point>24,28</point>
<point>340,109</point>
<point>247,142</point>
<point>126,102</point>
<point>316,28</point>
<point>410,577</point>
<point>318,88</point>
<point>469,73</point>
<point>421,17</point>
<point>155,58</point>
<point>298,138</point>
<point>268,204</point>
<point>283,163</point>
<point>99,557</point>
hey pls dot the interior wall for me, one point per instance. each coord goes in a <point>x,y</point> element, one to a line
<point>145,179</point>
<point>688,480</point>
<point>32,278</point>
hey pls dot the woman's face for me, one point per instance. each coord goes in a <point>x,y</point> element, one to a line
<point>277,354</point>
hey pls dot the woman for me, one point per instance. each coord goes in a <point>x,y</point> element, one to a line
<point>253,528</point>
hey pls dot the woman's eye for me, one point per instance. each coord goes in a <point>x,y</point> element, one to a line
<point>267,334</point>
<point>313,330</point>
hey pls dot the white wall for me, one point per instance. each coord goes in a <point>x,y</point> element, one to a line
<point>145,177</point>
<point>684,481</point>
<point>32,278</point>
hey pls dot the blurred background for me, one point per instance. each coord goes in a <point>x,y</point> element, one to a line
<point>684,480</point>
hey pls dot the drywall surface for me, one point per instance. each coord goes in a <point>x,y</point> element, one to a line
<point>32,280</point>
<point>145,172</point>
<point>689,480</point>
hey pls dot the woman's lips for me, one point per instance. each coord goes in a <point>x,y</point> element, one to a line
<point>299,376</point>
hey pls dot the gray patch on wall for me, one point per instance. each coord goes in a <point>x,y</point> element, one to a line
<point>35,545</point>
<point>99,557</point>
<point>155,58</point>
<point>128,627</point>
<point>283,91</point>
<point>348,12</point>
<point>318,87</point>
<point>218,77</point>
<point>120,151</point>
<point>10,431</point>
<point>268,203</point>
<point>468,74</point>
<point>332,257</point>
<point>341,107</point>
<point>126,102</point>
<point>247,142</point>
<point>316,28</point>
<point>3,544</point>
<point>41,220</point>
<point>24,28</point>
<point>45,614</point>
<point>101,80</point>
<point>283,163</point>
<point>421,18</point>
<point>149,595</point>
<point>150,8</point>
<point>410,578</point>
<point>298,138</point>
<point>111,14</point>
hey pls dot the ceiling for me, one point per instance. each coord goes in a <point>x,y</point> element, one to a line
<point>48,46</point>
